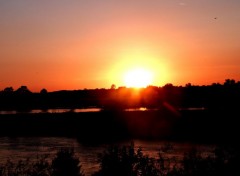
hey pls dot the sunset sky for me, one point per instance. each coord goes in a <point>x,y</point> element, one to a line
<point>77,44</point>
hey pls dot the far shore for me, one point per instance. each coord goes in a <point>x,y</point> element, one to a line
<point>208,126</point>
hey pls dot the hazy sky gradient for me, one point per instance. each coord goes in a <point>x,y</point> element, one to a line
<point>76,44</point>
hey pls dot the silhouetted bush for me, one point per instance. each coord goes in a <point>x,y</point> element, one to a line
<point>128,162</point>
<point>224,161</point>
<point>119,161</point>
<point>66,164</point>
<point>27,167</point>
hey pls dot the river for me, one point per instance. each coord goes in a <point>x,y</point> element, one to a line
<point>89,109</point>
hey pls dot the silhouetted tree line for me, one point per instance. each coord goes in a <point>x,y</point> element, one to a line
<point>217,95</point>
<point>218,123</point>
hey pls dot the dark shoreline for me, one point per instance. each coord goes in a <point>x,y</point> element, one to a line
<point>207,126</point>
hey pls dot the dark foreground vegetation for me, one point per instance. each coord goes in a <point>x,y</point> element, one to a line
<point>125,160</point>
<point>128,161</point>
<point>65,163</point>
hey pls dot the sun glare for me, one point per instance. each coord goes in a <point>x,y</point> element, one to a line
<point>138,65</point>
<point>138,78</point>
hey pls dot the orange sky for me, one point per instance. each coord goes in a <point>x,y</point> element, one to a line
<point>80,44</point>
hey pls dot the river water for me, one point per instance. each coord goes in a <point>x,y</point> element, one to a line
<point>90,109</point>
<point>19,148</point>
<point>31,147</point>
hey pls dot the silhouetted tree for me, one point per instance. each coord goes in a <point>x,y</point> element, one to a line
<point>119,161</point>
<point>66,164</point>
<point>23,90</point>
<point>8,90</point>
<point>113,86</point>
<point>43,91</point>
<point>168,86</point>
<point>188,85</point>
<point>229,82</point>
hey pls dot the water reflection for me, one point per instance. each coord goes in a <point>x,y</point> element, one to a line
<point>59,110</point>
<point>137,109</point>
<point>64,110</point>
<point>8,112</point>
<point>92,109</point>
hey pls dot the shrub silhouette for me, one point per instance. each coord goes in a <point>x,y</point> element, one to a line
<point>126,161</point>
<point>66,164</point>
<point>119,161</point>
<point>27,167</point>
<point>145,165</point>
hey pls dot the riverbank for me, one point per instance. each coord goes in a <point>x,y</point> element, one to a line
<point>196,126</point>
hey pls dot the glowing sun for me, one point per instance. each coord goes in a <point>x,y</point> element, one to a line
<point>138,78</point>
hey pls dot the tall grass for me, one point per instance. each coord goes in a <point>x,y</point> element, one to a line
<point>63,164</point>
